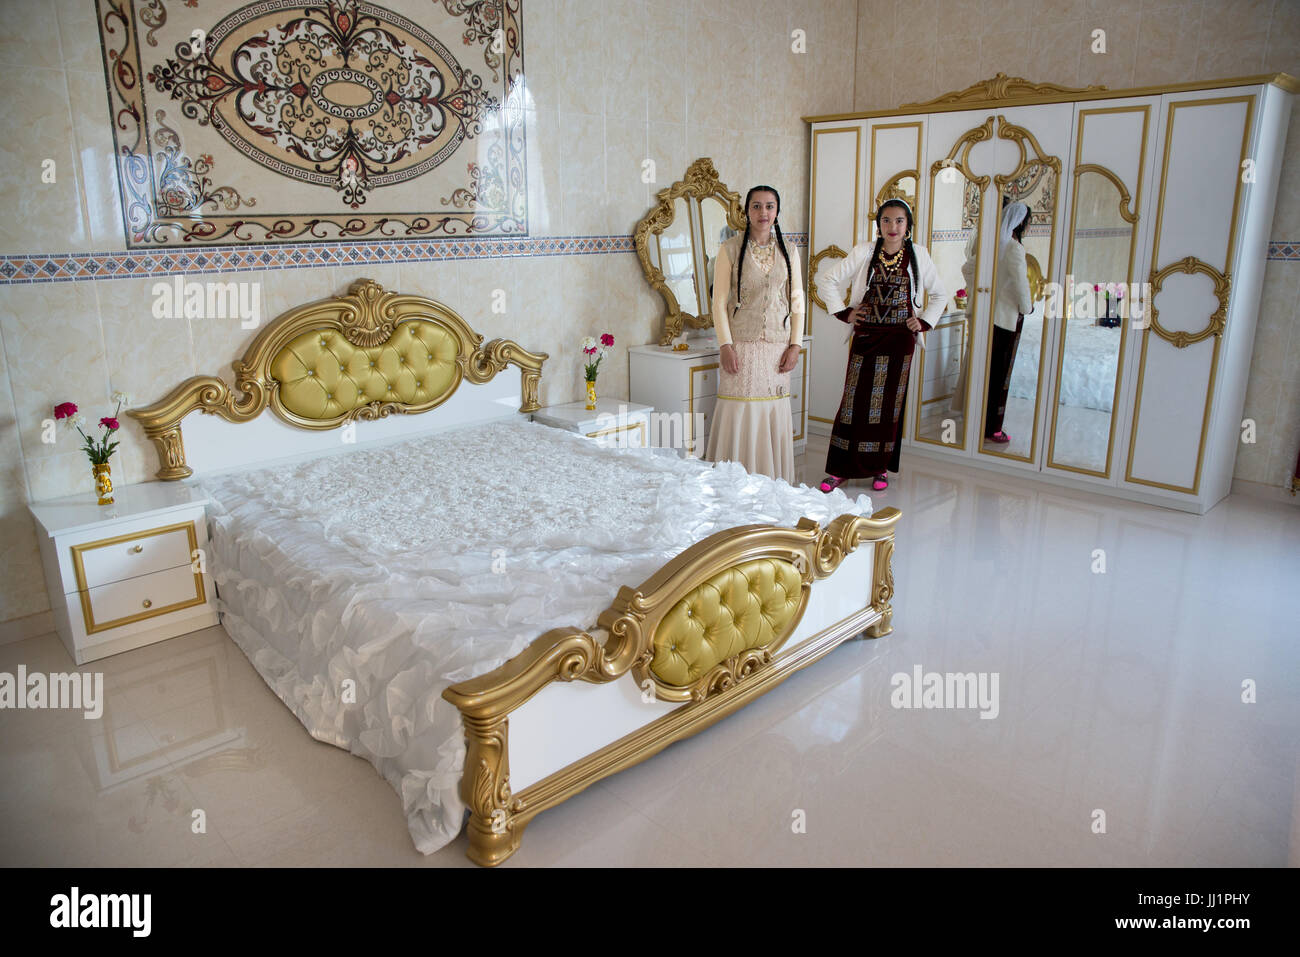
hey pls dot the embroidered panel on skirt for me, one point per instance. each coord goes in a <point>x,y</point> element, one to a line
<point>865,436</point>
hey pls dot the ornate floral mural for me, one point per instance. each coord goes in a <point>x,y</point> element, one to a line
<point>287,121</point>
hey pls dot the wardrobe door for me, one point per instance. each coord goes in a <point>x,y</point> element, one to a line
<point>1108,182</point>
<point>834,215</point>
<point>955,185</point>
<point>1203,139</point>
<point>1032,143</point>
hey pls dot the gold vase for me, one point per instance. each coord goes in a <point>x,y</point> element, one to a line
<point>591,395</point>
<point>103,483</point>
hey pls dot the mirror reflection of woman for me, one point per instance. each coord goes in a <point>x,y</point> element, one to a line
<point>759,319</point>
<point>1011,303</point>
<point>888,280</point>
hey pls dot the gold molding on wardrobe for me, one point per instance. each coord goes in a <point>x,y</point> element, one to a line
<point>367,317</point>
<point>1000,88</point>
<point>630,627</point>
<point>700,183</point>
<point>1282,80</point>
<point>830,252</point>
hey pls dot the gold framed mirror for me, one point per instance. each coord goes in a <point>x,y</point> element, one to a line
<point>954,229</point>
<point>1015,351</point>
<point>677,243</point>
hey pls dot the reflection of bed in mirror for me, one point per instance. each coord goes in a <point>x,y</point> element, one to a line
<point>1087,380</point>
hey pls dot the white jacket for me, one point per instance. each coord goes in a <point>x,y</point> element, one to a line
<point>845,283</point>
<point>1011,295</point>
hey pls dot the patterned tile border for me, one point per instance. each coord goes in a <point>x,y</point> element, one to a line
<point>75,267</point>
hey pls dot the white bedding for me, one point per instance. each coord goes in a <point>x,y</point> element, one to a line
<point>410,567</point>
<point>1088,378</point>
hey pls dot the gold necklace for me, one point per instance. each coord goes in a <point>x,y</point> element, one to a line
<point>891,262</point>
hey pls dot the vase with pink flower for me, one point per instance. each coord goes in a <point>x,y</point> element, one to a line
<point>594,352</point>
<point>98,450</point>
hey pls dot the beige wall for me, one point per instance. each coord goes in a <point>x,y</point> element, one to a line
<point>914,50</point>
<point>614,82</point>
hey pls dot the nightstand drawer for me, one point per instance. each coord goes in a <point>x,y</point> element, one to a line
<point>704,380</point>
<point>130,556</point>
<point>148,596</point>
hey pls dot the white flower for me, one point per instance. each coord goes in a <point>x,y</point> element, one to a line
<point>125,398</point>
<point>588,343</point>
<point>77,420</point>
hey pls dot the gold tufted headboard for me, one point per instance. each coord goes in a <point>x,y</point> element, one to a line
<point>365,355</point>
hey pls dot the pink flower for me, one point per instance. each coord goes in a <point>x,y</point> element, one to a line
<point>1119,290</point>
<point>606,339</point>
<point>1097,287</point>
<point>109,423</point>
<point>961,292</point>
<point>64,410</point>
<point>591,351</point>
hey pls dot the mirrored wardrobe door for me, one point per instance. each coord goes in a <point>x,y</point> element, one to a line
<point>1100,269</point>
<point>1026,200</point>
<point>955,223</point>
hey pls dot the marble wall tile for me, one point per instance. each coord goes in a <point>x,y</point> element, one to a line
<point>35,126</point>
<point>17,48</point>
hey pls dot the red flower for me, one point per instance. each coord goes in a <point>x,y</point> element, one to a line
<point>606,339</point>
<point>590,352</point>
<point>109,423</point>
<point>65,410</point>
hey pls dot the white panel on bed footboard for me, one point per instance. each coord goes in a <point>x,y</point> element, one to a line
<point>214,445</point>
<point>566,721</point>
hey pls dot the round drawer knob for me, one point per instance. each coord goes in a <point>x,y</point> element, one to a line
<point>136,549</point>
<point>147,603</point>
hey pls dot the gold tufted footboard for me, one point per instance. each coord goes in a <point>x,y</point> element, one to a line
<point>709,631</point>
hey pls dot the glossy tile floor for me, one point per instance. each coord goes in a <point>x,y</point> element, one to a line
<point>1119,703</point>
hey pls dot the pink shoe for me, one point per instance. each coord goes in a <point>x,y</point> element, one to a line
<point>1000,437</point>
<point>881,482</point>
<point>831,483</point>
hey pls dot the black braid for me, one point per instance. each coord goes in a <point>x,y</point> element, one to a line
<point>740,267</point>
<point>789,274</point>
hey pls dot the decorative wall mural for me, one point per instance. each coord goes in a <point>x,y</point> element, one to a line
<point>285,121</point>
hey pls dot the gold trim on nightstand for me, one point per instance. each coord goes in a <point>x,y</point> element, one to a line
<point>87,613</point>
<point>638,426</point>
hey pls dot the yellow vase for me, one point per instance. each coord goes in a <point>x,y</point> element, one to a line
<point>103,483</point>
<point>591,395</point>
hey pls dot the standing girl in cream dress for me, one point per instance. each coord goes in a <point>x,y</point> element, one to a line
<point>759,317</point>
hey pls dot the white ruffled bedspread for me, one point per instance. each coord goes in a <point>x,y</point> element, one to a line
<point>409,567</point>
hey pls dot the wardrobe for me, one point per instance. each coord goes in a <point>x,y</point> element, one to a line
<point>1149,218</point>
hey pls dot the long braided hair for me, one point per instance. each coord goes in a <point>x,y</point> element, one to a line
<point>780,241</point>
<point>907,238</point>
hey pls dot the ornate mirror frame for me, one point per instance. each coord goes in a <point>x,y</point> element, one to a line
<point>1025,140</point>
<point>958,158</point>
<point>700,183</point>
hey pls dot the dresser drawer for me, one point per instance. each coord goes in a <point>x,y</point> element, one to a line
<point>704,380</point>
<point>130,556</point>
<point>148,596</point>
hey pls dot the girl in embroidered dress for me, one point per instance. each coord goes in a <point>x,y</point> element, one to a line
<point>886,279</point>
<point>758,316</point>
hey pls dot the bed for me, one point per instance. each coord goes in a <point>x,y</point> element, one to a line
<point>494,613</point>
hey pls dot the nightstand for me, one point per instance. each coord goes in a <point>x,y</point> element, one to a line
<point>614,422</point>
<point>128,574</point>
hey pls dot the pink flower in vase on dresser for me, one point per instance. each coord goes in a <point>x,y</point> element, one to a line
<point>594,352</point>
<point>99,450</point>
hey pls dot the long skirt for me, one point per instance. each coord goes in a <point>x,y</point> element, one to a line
<point>1001,362</point>
<point>752,422</point>
<point>866,436</point>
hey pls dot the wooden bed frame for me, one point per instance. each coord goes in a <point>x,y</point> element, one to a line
<point>725,621</point>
